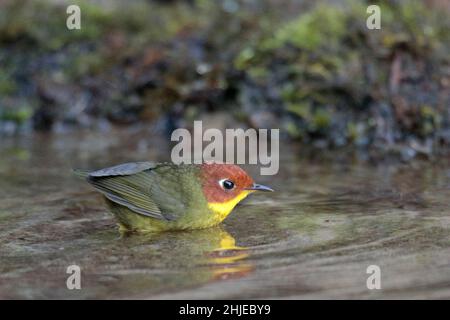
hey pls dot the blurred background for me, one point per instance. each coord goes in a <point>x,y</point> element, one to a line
<point>311,68</point>
<point>364,118</point>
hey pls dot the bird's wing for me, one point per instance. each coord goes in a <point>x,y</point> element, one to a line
<point>123,169</point>
<point>129,185</point>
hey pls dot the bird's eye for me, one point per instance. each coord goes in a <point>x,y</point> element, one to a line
<point>227,184</point>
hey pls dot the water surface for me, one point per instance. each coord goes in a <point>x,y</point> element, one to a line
<point>313,238</point>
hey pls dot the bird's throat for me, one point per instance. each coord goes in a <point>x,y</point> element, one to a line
<point>222,209</point>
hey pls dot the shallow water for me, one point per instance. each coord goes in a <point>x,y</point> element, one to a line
<point>313,238</point>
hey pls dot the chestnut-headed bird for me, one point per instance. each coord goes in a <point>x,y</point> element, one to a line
<point>146,196</point>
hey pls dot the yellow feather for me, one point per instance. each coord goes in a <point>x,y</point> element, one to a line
<point>223,209</point>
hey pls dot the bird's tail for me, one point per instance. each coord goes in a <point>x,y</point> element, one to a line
<point>81,173</point>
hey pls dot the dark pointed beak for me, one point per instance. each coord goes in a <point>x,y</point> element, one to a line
<point>260,187</point>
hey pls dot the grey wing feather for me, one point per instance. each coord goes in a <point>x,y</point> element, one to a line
<point>123,169</point>
<point>115,193</point>
<point>151,214</point>
<point>128,184</point>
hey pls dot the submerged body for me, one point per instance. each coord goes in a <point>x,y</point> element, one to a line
<point>146,196</point>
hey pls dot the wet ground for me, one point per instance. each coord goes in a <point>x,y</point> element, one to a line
<point>313,238</point>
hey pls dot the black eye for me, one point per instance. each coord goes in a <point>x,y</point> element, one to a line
<point>227,184</point>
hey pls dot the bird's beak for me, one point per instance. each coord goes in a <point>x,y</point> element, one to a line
<point>259,187</point>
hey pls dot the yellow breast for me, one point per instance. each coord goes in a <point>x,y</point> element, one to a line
<point>222,209</point>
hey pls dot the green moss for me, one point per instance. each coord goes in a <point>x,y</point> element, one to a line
<point>7,85</point>
<point>44,23</point>
<point>429,121</point>
<point>293,130</point>
<point>89,63</point>
<point>258,73</point>
<point>322,26</point>
<point>352,131</point>
<point>414,23</point>
<point>319,63</point>
<point>321,119</point>
<point>302,110</point>
<point>18,115</point>
<point>244,57</point>
<point>331,62</point>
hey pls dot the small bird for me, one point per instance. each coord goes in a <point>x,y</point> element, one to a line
<point>153,197</point>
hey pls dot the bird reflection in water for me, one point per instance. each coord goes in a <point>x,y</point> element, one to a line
<point>204,255</point>
<point>228,261</point>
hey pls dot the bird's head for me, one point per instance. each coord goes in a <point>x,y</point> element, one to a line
<point>225,185</point>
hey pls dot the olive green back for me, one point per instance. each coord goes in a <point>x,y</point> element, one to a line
<point>161,191</point>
